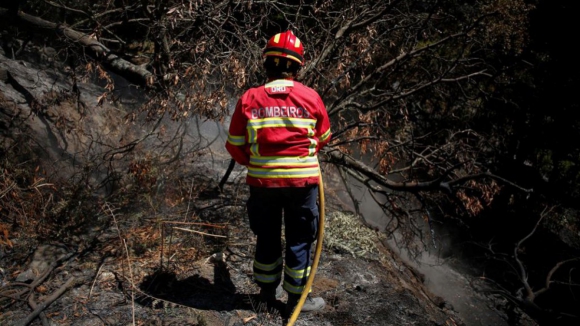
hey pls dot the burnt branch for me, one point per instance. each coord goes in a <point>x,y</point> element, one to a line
<point>117,64</point>
<point>526,296</point>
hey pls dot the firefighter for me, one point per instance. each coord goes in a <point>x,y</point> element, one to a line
<point>276,131</point>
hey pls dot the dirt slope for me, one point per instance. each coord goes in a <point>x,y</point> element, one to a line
<point>197,287</point>
<point>181,255</point>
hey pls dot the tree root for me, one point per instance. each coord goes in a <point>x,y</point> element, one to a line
<point>32,303</point>
<point>27,294</point>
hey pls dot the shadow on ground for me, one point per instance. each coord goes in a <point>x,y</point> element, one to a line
<point>199,292</point>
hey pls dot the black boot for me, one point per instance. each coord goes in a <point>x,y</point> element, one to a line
<point>268,300</point>
<point>270,294</point>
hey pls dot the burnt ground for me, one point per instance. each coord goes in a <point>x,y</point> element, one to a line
<point>191,265</point>
<point>176,252</point>
<point>198,287</point>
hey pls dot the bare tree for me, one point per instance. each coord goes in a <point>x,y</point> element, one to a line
<point>403,80</point>
<point>407,85</point>
<point>525,297</point>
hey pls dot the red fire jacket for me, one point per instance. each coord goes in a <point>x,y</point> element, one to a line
<point>276,131</point>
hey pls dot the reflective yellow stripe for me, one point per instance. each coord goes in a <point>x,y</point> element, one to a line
<point>267,278</point>
<point>252,135</point>
<point>255,149</point>
<point>268,267</point>
<point>281,122</point>
<point>325,135</point>
<point>283,173</point>
<point>295,289</point>
<point>312,147</point>
<point>237,140</point>
<point>297,274</point>
<point>254,125</point>
<point>283,160</point>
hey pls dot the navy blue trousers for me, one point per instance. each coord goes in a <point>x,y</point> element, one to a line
<point>297,208</point>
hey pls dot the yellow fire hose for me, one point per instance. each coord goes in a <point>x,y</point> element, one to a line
<point>317,253</point>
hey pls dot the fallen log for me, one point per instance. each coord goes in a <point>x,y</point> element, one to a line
<point>130,71</point>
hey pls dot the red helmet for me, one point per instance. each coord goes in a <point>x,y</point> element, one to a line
<point>285,45</point>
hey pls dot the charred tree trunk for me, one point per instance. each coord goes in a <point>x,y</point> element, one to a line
<point>116,64</point>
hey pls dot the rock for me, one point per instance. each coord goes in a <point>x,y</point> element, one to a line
<point>26,277</point>
<point>44,256</point>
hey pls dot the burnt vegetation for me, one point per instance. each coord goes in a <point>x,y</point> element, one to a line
<point>450,112</point>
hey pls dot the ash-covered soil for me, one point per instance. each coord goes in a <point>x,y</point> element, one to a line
<point>192,266</point>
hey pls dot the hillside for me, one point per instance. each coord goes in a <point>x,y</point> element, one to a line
<point>108,220</point>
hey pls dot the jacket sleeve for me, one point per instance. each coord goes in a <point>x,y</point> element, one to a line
<point>236,143</point>
<point>322,125</point>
